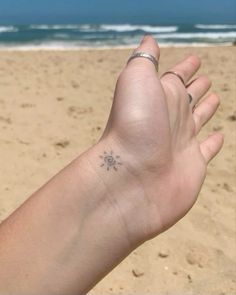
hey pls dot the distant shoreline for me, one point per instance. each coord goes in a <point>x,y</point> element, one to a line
<point>115,47</point>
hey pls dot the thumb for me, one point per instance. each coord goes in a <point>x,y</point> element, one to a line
<point>147,45</point>
<point>139,94</point>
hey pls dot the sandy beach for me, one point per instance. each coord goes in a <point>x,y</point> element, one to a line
<point>54,105</point>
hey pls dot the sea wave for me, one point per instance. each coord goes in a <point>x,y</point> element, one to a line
<point>6,29</point>
<point>215,35</point>
<point>80,35</point>
<point>108,27</point>
<point>215,27</point>
<point>53,27</point>
<point>145,28</point>
<point>61,36</point>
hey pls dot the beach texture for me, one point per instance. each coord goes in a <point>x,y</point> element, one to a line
<point>55,104</point>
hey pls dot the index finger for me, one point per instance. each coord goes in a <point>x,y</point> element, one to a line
<point>185,69</point>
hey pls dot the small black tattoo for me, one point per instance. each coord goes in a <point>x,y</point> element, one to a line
<point>110,161</point>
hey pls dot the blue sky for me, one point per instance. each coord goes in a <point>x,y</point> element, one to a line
<point>119,11</point>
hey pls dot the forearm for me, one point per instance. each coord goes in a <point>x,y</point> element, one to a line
<point>67,235</point>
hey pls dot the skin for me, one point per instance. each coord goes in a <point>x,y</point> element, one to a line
<point>75,229</point>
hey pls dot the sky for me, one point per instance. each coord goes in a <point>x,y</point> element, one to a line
<point>119,11</point>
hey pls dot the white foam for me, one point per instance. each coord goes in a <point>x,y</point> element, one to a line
<point>145,28</point>
<point>215,35</point>
<point>54,27</point>
<point>61,36</point>
<point>4,29</point>
<point>215,27</point>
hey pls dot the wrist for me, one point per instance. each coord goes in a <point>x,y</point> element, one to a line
<point>105,237</point>
<point>107,183</point>
<point>118,189</point>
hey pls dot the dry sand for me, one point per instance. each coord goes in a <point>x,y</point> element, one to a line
<point>54,105</point>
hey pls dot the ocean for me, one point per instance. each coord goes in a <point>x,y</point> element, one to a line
<point>73,36</point>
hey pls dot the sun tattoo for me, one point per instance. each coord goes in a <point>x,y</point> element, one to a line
<point>110,161</point>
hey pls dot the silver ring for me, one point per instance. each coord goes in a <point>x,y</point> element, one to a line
<point>176,74</point>
<point>145,55</point>
<point>190,98</point>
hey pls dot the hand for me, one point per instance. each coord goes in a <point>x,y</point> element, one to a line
<point>92,214</point>
<point>154,129</point>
